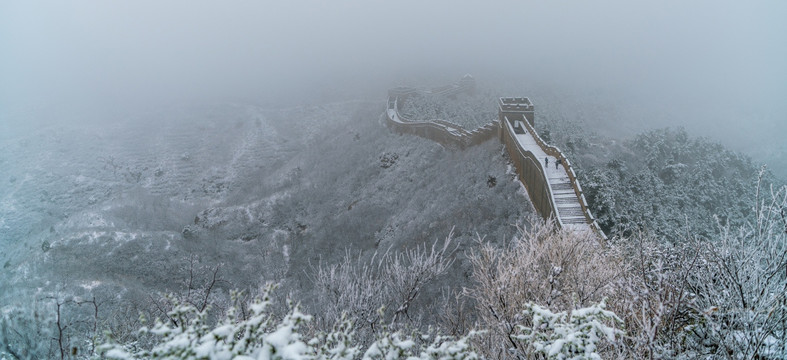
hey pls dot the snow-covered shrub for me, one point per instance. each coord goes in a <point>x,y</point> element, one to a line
<point>260,336</point>
<point>54,326</point>
<point>187,335</point>
<point>393,346</point>
<point>21,331</point>
<point>739,291</point>
<point>561,270</point>
<point>391,282</point>
<point>717,297</point>
<point>574,335</point>
<point>654,304</point>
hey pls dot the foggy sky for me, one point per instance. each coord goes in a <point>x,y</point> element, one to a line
<point>697,54</point>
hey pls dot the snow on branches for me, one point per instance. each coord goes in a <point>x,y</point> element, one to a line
<point>261,337</point>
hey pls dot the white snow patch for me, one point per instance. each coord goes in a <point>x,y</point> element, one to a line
<point>91,285</point>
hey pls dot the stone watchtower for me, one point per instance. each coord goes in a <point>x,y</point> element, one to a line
<point>467,83</point>
<point>515,108</point>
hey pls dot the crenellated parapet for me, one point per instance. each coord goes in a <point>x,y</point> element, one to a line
<point>515,106</point>
<point>438,130</point>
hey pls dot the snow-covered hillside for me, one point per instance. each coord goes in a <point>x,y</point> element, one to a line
<point>117,210</point>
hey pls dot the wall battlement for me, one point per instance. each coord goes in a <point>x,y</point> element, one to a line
<point>514,106</point>
<point>438,130</point>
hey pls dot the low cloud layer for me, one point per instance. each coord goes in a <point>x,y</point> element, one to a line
<point>697,55</point>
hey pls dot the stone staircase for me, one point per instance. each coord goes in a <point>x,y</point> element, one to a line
<point>568,207</point>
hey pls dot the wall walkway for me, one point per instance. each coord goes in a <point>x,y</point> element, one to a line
<point>554,190</point>
<point>438,130</point>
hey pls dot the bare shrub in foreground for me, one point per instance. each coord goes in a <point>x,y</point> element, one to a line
<point>381,291</point>
<point>741,288</point>
<point>723,297</point>
<point>561,270</point>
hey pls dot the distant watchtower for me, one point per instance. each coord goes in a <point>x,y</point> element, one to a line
<point>468,84</point>
<point>515,108</point>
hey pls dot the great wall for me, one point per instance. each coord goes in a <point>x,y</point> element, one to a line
<point>543,169</point>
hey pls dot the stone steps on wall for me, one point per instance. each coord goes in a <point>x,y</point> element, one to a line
<point>572,211</point>
<point>574,221</point>
<point>557,190</point>
<point>565,200</point>
<point>568,208</point>
<point>561,186</point>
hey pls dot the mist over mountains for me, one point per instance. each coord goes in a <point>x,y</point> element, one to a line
<point>192,148</point>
